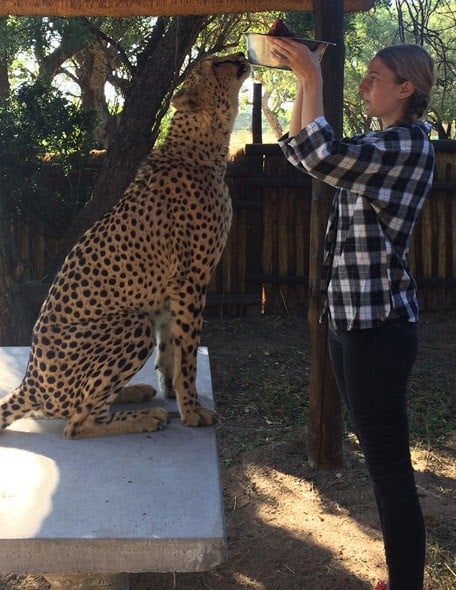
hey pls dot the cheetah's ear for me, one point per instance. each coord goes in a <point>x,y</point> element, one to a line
<point>187,99</point>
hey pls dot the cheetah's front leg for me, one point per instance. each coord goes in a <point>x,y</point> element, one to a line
<point>165,356</point>
<point>186,329</point>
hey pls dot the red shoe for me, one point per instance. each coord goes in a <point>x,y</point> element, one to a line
<point>381,586</point>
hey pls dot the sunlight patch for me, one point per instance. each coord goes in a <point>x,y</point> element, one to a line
<point>298,507</point>
<point>26,493</point>
<point>248,582</point>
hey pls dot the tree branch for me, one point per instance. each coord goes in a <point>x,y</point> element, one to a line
<point>110,41</point>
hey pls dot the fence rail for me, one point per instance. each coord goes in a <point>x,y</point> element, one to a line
<point>265,265</point>
<point>278,277</point>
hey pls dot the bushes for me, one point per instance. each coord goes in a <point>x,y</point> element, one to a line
<point>44,137</point>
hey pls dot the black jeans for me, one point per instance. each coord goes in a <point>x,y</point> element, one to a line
<point>371,368</point>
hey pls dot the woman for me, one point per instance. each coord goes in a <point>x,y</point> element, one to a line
<point>382,179</point>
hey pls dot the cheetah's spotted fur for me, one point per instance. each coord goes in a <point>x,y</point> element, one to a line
<point>138,277</point>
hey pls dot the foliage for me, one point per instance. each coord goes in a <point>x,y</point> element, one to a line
<point>279,85</point>
<point>40,126</point>
<point>366,34</point>
<point>429,23</point>
<point>42,135</point>
<point>57,53</point>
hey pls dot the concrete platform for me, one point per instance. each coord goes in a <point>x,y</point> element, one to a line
<point>130,503</point>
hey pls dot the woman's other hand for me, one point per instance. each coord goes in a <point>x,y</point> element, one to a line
<point>304,63</point>
<point>306,66</point>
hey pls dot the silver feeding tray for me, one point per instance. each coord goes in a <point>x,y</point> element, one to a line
<point>259,50</point>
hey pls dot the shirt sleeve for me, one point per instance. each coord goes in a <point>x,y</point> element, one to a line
<point>375,164</point>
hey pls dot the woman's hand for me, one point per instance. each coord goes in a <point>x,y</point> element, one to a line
<point>304,63</point>
<point>306,66</point>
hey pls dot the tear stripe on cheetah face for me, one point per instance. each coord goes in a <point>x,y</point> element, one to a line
<point>138,277</point>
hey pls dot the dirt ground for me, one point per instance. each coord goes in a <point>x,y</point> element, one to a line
<point>290,527</point>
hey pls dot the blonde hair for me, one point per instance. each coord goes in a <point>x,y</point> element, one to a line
<point>413,63</point>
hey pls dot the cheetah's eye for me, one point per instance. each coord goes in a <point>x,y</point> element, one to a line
<point>241,66</point>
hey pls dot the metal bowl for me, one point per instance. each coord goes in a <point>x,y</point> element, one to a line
<point>259,50</point>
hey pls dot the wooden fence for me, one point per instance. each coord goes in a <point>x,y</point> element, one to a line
<point>265,265</point>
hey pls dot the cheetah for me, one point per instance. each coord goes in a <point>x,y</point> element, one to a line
<point>137,279</point>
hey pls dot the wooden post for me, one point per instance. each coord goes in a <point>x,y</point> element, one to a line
<point>254,228</point>
<point>257,131</point>
<point>325,422</point>
<point>254,215</point>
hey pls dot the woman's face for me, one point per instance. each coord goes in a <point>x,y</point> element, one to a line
<point>383,96</point>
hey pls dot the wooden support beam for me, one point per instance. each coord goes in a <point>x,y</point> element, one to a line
<point>254,223</point>
<point>325,415</point>
<point>160,7</point>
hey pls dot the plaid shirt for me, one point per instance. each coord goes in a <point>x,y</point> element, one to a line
<point>382,179</point>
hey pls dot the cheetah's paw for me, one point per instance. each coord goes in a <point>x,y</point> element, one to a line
<point>199,417</point>
<point>161,416</point>
<point>136,393</point>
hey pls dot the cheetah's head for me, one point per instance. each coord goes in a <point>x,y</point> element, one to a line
<point>213,85</point>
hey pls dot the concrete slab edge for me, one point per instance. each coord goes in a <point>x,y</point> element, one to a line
<point>111,555</point>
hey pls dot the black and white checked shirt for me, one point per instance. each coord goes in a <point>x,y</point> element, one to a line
<point>382,179</point>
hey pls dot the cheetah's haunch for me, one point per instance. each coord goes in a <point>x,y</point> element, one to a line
<point>138,277</point>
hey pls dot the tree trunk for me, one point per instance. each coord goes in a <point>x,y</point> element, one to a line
<point>271,117</point>
<point>4,63</point>
<point>442,132</point>
<point>51,64</point>
<point>147,100</point>
<point>4,80</point>
<point>92,76</point>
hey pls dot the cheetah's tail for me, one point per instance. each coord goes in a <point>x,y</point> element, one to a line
<point>13,407</point>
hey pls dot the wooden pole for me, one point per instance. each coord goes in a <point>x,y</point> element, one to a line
<point>254,230</point>
<point>325,422</point>
<point>257,128</point>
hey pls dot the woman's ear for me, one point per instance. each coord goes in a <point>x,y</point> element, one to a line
<point>407,89</point>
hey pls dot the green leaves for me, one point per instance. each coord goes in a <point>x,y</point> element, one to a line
<point>40,132</point>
